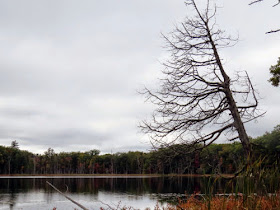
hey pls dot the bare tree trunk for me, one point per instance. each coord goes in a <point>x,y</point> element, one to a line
<point>238,123</point>
<point>9,165</point>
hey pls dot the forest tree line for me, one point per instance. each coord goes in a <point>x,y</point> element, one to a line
<point>216,158</point>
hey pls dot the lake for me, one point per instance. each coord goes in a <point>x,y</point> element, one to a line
<point>93,192</point>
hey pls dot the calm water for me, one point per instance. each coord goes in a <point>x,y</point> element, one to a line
<point>95,192</point>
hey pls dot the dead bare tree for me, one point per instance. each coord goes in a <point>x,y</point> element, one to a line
<point>197,100</point>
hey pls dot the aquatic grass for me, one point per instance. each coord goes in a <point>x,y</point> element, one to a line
<point>231,202</point>
<point>226,202</point>
<point>257,187</point>
<point>259,179</point>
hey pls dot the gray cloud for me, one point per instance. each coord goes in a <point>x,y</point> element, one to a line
<point>70,70</point>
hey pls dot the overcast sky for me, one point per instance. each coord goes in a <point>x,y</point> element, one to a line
<point>70,70</point>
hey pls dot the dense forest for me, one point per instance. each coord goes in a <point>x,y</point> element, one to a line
<point>216,158</point>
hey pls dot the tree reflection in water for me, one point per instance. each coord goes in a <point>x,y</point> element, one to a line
<point>133,191</point>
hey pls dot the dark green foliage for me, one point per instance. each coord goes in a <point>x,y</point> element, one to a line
<point>15,161</point>
<point>214,159</point>
<point>275,71</point>
<point>268,146</point>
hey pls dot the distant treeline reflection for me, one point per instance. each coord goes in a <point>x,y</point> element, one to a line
<point>133,186</point>
<point>217,158</point>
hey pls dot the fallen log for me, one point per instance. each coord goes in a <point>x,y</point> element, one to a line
<point>70,199</point>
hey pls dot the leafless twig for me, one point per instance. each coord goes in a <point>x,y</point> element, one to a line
<point>118,206</point>
<point>254,2</point>
<point>273,31</point>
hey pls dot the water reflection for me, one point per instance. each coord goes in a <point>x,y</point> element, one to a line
<point>136,186</point>
<point>139,192</point>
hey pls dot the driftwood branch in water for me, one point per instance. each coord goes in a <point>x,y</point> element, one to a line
<point>70,199</point>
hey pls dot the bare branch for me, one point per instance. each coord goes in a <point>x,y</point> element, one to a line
<point>196,102</point>
<point>276,3</point>
<point>257,1</point>
<point>254,2</point>
<point>75,202</point>
<point>273,31</point>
